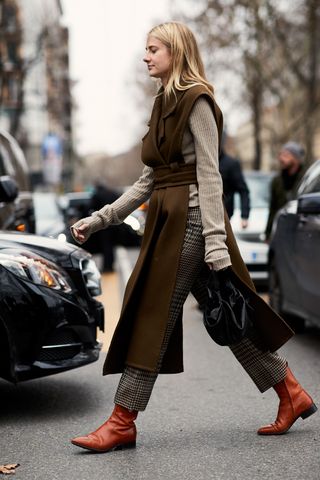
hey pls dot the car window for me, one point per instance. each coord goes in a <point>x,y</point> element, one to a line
<point>259,188</point>
<point>46,206</point>
<point>311,181</point>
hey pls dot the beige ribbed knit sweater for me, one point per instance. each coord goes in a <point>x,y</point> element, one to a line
<point>200,145</point>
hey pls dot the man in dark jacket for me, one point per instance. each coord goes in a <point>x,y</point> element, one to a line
<point>234,182</point>
<point>284,186</point>
<point>105,239</point>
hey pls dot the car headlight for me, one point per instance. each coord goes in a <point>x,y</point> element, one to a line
<point>35,268</point>
<point>133,222</point>
<point>92,276</point>
<point>62,237</point>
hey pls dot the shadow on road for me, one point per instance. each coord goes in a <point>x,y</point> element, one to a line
<point>310,336</point>
<point>50,397</point>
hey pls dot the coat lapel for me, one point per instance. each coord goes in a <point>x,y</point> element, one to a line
<point>152,136</point>
<point>163,108</point>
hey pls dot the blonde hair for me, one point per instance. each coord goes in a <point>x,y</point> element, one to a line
<point>187,68</point>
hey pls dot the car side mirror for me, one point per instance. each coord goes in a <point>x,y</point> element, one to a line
<point>309,203</point>
<point>8,189</point>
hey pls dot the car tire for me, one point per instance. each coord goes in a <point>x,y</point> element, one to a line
<point>276,300</point>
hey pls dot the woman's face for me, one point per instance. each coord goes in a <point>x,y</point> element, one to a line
<point>158,59</point>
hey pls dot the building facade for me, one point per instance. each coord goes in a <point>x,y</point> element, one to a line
<point>11,63</point>
<point>41,103</point>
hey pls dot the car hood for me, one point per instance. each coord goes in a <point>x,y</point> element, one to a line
<point>49,248</point>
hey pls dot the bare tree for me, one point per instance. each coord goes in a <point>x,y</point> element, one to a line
<point>273,48</point>
<point>27,65</point>
<point>298,39</point>
<point>31,22</point>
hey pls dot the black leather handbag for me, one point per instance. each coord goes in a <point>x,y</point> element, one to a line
<point>226,315</point>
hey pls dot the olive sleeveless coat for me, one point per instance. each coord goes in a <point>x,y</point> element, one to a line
<point>140,331</point>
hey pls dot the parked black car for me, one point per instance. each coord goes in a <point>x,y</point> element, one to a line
<point>16,206</point>
<point>294,256</point>
<point>48,311</point>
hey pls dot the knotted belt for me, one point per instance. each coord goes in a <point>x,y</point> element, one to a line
<point>174,174</point>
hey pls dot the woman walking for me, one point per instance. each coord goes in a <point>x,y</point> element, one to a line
<point>186,235</point>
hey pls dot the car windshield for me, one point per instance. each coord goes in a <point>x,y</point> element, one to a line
<point>259,188</point>
<point>45,205</point>
<point>311,181</point>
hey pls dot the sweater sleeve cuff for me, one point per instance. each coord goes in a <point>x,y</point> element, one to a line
<point>218,258</point>
<point>96,223</point>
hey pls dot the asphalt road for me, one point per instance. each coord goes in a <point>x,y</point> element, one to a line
<point>199,425</point>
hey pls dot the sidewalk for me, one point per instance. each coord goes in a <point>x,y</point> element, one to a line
<point>112,304</point>
<point>113,285</point>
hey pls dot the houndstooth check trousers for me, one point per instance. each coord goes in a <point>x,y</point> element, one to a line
<point>265,368</point>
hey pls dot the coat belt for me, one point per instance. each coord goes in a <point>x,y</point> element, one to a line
<point>174,174</point>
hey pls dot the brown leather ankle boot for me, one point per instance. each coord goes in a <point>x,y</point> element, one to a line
<point>118,432</point>
<point>294,403</point>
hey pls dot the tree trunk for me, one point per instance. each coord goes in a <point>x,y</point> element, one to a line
<point>312,21</point>
<point>257,116</point>
<point>15,120</point>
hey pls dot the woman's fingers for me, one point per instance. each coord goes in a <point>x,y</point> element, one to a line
<point>80,232</point>
<point>83,227</point>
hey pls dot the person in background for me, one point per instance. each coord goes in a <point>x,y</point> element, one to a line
<point>105,239</point>
<point>234,182</point>
<point>284,185</point>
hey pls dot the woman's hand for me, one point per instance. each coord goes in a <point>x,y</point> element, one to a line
<point>244,223</point>
<point>80,233</point>
<point>222,272</point>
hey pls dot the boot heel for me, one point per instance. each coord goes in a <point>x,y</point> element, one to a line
<point>125,445</point>
<point>129,445</point>
<point>309,412</point>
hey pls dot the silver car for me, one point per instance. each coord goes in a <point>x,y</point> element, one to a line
<point>251,241</point>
